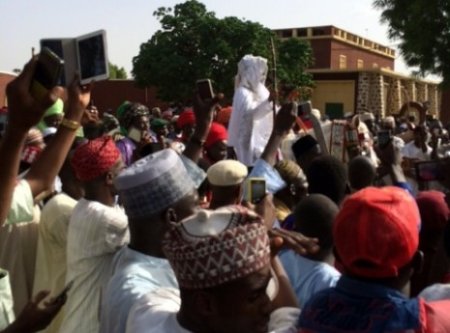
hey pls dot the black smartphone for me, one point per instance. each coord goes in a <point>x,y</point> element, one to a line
<point>46,74</point>
<point>257,189</point>
<point>205,89</point>
<point>57,47</point>
<point>63,292</point>
<point>384,137</point>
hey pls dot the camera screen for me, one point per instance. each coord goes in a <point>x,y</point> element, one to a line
<point>92,57</point>
<point>383,138</point>
<point>258,190</point>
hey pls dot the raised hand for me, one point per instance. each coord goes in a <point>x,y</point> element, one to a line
<point>280,238</point>
<point>24,110</point>
<point>37,314</point>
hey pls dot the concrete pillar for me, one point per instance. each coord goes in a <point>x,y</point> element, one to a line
<point>411,91</point>
<point>376,94</point>
<point>362,97</point>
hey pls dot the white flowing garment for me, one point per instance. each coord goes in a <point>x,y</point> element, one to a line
<point>251,121</point>
<point>96,232</point>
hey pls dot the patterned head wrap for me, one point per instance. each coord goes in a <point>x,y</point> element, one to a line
<point>212,248</point>
<point>130,112</point>
<point>94,158</point>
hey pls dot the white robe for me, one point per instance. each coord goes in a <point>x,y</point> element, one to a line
<point>250,126</point>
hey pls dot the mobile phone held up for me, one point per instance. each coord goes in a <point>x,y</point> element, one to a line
<point>87,55</point>
<point>46,74</point>
<point>256,189</point>
<point>63,292</point>
<point>384,137</point>
<point>205,89</point>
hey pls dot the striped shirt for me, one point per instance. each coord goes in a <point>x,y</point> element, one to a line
<point>96,233</point>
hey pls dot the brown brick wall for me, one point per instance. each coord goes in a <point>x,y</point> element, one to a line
<point>110,94</point>
<point>353,54</point>
<point>4,80</point>
<point>321,52</point>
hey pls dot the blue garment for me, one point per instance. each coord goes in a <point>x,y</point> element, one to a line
<point>134,275</point>
<point>356,306</point>
<point>406,186</point>
<point>274,182</point>
<point>308,277</point>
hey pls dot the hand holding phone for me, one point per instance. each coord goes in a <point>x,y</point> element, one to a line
<point>205,89</point>
<point>384,137</point>
<point>257,189</point>
<point>63,294</point>
<point>46,74</point>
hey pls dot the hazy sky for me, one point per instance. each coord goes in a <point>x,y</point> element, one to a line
<point>130,23</point>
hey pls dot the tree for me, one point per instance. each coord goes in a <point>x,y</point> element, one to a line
<point>117,73</point>
<point>423,29</point>
<point>194,44</point>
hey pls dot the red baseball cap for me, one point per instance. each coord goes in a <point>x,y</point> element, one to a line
<point>376,232</point>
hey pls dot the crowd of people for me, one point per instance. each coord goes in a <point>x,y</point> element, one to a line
<point>143,220</point>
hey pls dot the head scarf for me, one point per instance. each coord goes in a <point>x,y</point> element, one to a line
<point>186,118</point>
<point>153,184</point>
<point>129,113</point>
<point>95,158</point>
<point>211,248</point>
<point>289,171</point>
<point>433,209</point>
<point>252,72</point>
<point>217,132</point>
<point>56,108</point>
<point>223,116</point>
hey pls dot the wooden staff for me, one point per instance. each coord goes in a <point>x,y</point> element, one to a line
<point>274,78</point>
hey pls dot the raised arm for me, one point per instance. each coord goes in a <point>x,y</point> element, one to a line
<point>43,172</point>
<point>283,123</point>
<point>203,118</point>
<point>24,112</point>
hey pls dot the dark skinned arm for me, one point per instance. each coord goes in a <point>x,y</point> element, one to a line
<point>391,158</point>
<point>204,111</point>
<point>24,112</point>
<point>37,314</point>
<point>284,121</point>
<point>43,172</point>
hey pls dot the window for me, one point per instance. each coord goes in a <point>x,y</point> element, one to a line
<point>360,63</point>
<point>334,110</point>
<point>375,65</point>
<point>302,32</point>
<point>286,33</point>
<point>318,32</point>
<point>342,61</point>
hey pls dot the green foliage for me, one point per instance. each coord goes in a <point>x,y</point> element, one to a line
<point>117,73</point>
<point>423,29</point>
<point>194,44</point>
<point>295,56</point>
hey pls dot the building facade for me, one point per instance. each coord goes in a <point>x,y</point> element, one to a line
<point>354,74</point>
